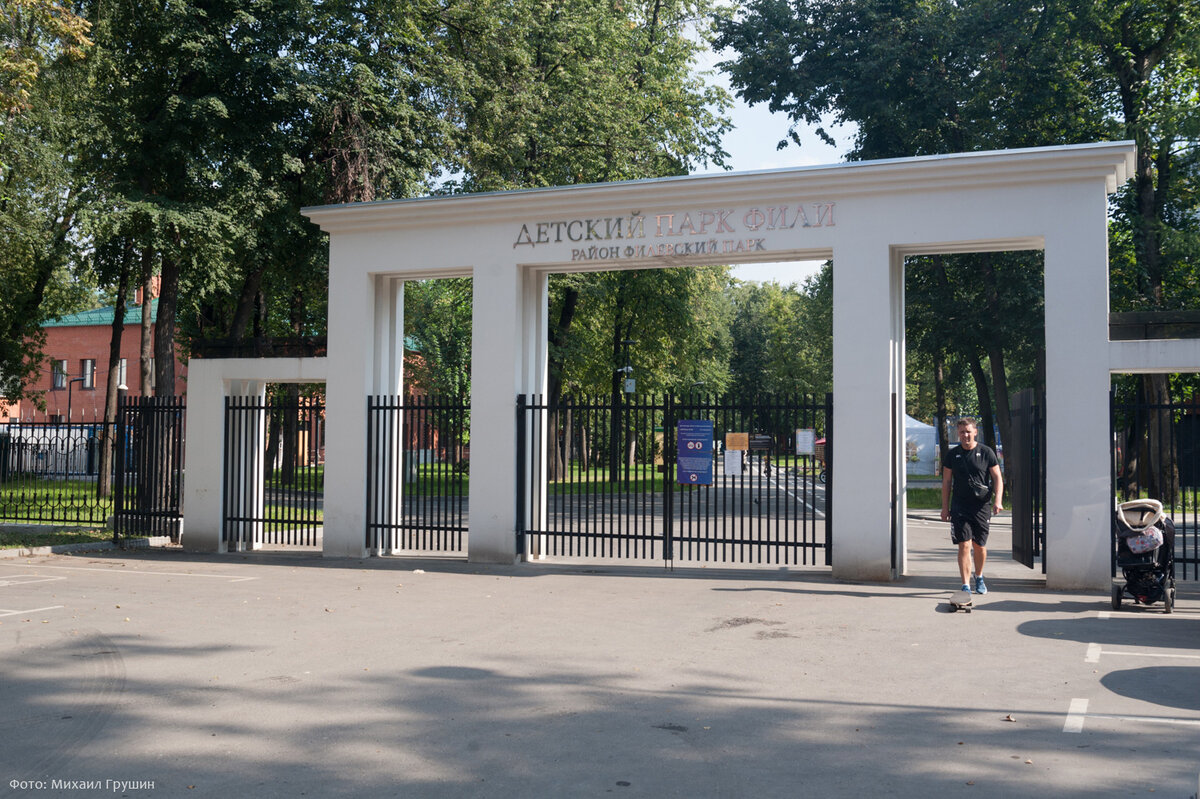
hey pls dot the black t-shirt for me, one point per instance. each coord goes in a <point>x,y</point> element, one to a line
<point>969,466</point>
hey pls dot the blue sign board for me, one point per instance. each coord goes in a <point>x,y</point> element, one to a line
<point>694,452</point>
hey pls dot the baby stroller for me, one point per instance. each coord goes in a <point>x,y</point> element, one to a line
<point>1145,554</point>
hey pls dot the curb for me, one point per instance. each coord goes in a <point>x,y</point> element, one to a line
<point>87,546</point>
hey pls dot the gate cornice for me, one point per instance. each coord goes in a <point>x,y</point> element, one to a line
<point>1110,161</point>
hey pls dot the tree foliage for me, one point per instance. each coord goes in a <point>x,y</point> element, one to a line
<point>919,78</point>
<point>41,200</point>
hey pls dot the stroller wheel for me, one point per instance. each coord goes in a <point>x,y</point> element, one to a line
<point>1117,592</point>
<point>1169,600</point>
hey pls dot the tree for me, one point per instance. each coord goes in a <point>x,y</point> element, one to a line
<point>920,78</point>
<point>782,336</point>
<point>40,198</point>
<point>194,101</point>
<point>559,92</point>
<point>35,32</point>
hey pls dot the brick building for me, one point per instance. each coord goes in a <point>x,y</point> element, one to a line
<point>75,375</point>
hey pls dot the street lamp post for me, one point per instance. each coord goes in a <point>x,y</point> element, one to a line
<point>623,383</point>
<point>71,385</point>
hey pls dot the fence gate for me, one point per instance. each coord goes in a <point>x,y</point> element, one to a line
<point>597,478</point>
<point>1025,478</point>
<point>148,476</point>
<point>417,476</point>
<point>274,471</point>
<point>1156,455</point>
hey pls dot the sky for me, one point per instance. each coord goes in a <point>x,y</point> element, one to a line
<point>751,146</point>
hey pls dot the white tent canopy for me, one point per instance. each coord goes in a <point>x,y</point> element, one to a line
<point>920,446</point>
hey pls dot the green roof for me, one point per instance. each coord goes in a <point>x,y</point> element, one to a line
<point>103,316</point>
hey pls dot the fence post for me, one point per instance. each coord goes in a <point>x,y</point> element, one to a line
<point>828,478</point>
<point>521,465</point>
<point>668,477</point>
<point>119,475</point>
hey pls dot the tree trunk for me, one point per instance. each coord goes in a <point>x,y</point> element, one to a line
<point>1160,454</point>
<point>987,424</point>
<point>560,459</point>
<point>147,349</point>
<point>1000,386</point>
<point>104,487</point>
<point>164,328</point>
<point>614,444</point>
<point>243,313</point>
<point>939,397</point>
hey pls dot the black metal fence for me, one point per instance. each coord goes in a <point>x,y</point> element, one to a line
<point>1156,455</point>
<point>84,473</point>
<point>149,467</point>
<point>274,476</point>
<point>1025,478</point>
<point>597,478</point>
<point>417,474</point>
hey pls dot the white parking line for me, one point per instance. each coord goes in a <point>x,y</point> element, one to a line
<point>4,612</point>
<point>1075,716</point>
<point>1150,655</point>
<point>1094,651</point>
<point>25,579</point>
<point>1149,719</point>
<point>228,577</point>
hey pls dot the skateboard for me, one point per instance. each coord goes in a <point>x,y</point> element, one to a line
<point>960,600</point>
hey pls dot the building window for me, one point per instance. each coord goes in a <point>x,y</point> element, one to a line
<point>59,370</point>
<point>87,370</point>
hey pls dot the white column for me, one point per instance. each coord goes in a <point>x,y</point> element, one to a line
<point>244,492</point>
<point>899,496</point>
<point>386,444</point>
<point>535,379</point>
<point>1078,492</point>
<point>205,465</point>
<point>350,378</point>
<point>498,336</point>
<point>863,369</point>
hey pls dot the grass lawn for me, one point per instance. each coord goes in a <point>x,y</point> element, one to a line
<point>931,499</point>
<point>52,536</point>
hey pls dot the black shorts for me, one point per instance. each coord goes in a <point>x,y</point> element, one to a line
<point>966,526</point>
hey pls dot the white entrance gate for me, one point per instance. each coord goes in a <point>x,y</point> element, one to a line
<point>866,216</point>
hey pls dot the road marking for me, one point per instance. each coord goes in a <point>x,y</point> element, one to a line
<point>4,612</point>
<point>1150,719</point>
<point>817,514</point>
<point>1093,654</point>
<point>26,580</point>
<point>1149,655</point>
<point>1105,614</point>
<point>230,578</point>
<point>1075,716</point>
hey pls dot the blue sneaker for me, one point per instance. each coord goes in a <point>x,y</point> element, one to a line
<point>966,589</point>
<point>980,585</point>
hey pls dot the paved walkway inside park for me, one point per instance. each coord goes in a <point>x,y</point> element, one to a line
<point>285,675</point>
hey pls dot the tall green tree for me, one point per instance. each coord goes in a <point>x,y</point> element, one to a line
<point>918,78</point>
<point>41,199</point>
<point>558,92</point>
<point>193,100</point>
<point>782,336</point>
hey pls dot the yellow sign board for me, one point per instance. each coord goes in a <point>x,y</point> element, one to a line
<point>737,441</point>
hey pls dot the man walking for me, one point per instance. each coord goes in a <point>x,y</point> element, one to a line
<point>969,501</point>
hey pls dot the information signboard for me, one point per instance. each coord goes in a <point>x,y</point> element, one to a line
<point>694,447</point>
<point>806,441</point>
<point>762,441</point>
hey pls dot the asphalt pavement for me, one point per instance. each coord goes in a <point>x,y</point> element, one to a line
<point>162,673</point>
